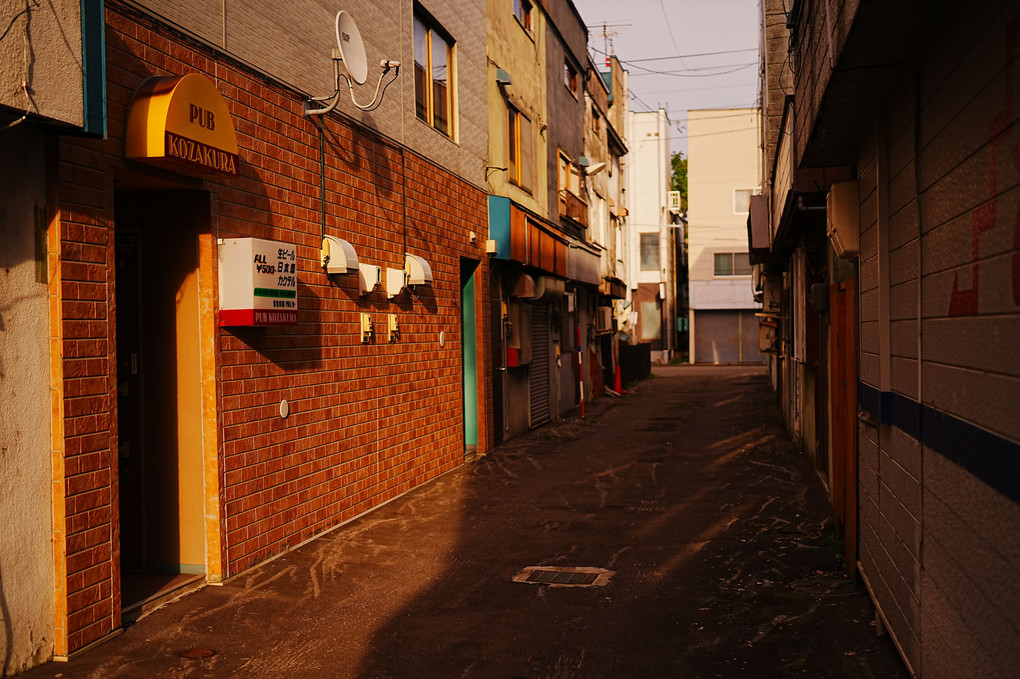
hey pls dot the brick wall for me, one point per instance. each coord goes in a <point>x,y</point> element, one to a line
<point>367,422</point>
<point>940,317</point>
<point>293,47</point>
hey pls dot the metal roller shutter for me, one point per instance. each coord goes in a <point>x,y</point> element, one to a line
<point>539,378</point>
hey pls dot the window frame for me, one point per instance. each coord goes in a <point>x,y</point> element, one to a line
<point>427,85</point>
<point>750,192</point>
<point>653,238</point>
<point>734,270</point>
<point>523,12</point>
<point>570,77</point>
<point>520,148</point>
<point>568,174</point>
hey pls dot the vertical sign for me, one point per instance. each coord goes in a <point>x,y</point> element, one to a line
<point>258,282</point>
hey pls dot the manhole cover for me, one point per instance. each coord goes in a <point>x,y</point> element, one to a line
<point>564,576</point>
<point>197,653</point>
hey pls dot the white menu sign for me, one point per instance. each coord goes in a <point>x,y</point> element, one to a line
<point>258,282</point>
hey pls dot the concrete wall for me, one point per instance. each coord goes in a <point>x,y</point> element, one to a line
<point>26,603</point>
<point>293,47</point>
<point>940,318</point>
<point>42,46</point>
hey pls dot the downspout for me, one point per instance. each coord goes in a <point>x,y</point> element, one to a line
<point>322,181</point>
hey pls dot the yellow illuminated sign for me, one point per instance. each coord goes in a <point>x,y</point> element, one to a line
<point>182,121</point>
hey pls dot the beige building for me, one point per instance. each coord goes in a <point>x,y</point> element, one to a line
<point>47,77</point>
<point>723,174</point>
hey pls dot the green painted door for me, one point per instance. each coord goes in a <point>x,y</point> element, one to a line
<point>469,359</point>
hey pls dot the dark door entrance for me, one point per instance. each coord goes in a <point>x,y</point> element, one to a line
<point>843,399</point>
<point>159,393</point>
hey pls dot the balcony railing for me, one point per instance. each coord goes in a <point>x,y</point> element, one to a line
<point>573,208</point>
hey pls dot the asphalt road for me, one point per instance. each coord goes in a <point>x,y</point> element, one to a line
<point>707,533</point>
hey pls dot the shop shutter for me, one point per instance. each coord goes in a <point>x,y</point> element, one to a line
<point>539,378</point>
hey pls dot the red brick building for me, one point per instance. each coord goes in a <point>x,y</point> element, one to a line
<point>184,449</point>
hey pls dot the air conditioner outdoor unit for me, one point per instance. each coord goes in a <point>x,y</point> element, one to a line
<point>674,202</point>
<point>603,319</point>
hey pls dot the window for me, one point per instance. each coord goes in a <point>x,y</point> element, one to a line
<point>520,148</point>
<point>741,201</point>
<point>651,320</point>
<point>569,175</point>
<point>570,76</point>
<point>522,10</point>
<point>433,62</point>
<point>732,264</point>
<point>649,252</point>
<point>596,120</point>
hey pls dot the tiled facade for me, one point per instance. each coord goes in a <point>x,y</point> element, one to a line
<point>930,140</point>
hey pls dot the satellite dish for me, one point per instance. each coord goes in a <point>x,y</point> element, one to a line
<point>352,48</point>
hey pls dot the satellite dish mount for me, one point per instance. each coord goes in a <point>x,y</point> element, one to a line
<point>351,53</point>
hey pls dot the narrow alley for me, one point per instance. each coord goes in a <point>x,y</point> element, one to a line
<point>709,533</point>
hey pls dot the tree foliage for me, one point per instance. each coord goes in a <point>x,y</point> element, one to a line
<point>678,182</point>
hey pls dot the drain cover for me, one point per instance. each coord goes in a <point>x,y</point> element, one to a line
<point>564,576</point>
<point>197,653</point>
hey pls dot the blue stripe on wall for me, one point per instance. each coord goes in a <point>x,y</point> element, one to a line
<point>990,457</point>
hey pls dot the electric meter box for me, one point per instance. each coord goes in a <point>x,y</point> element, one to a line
<point>258,282</point>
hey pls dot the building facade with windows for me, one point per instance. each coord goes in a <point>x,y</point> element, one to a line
<point>605,149</point>
<point>545,273</point>
<point>653,239</point>
<point>262,321</point>
<point>723,171</point>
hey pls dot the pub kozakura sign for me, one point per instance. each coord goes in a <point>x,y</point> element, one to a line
<point>182,123</point>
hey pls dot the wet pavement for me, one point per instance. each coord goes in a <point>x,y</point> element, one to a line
<point>707,531</point>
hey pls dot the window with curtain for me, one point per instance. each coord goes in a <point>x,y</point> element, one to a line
<point>649,252</point>
<point>741,201</point>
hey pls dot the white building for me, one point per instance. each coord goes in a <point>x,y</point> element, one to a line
<point>652,247</point>
<point>723,173</point>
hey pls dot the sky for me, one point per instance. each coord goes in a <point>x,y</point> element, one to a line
<point>664,36</point>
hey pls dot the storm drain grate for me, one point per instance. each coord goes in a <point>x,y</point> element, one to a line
<point>564,576</point>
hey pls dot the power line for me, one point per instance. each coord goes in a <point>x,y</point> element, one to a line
<point>735,67</point>
<point>670,29</point>
<point>683,56</point>
<point>676,74</point>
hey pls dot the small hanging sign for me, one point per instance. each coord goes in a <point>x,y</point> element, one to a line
<point>258,282</point>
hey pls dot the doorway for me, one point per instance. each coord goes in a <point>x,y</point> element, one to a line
<point>469,357</point>
<point>843,402</point>
<point>159,391</point>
